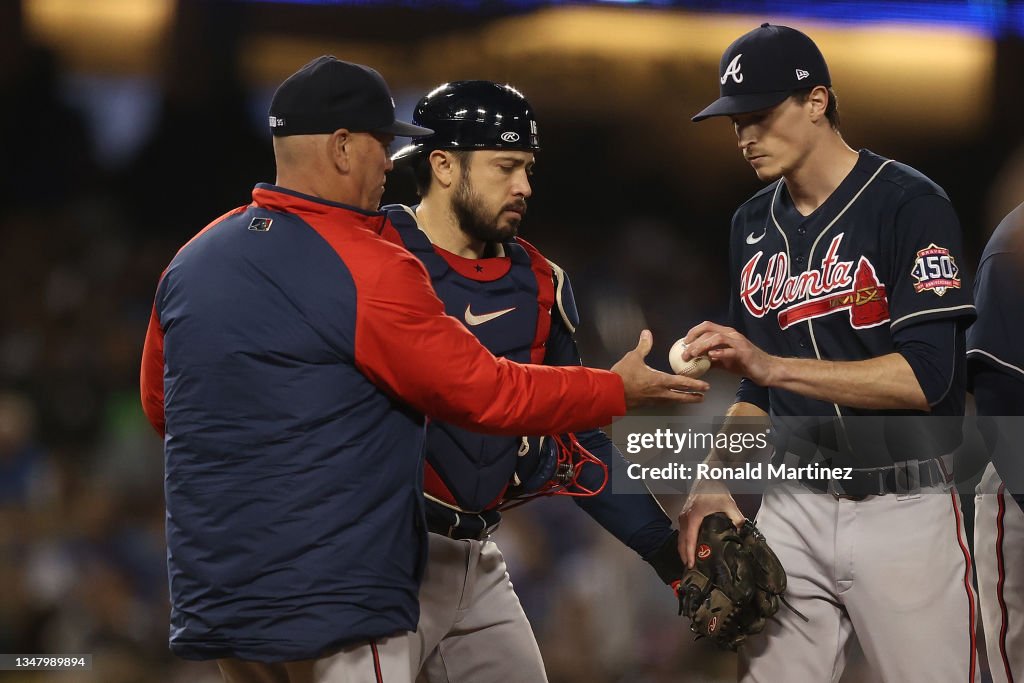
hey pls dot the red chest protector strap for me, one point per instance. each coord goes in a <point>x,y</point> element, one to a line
<point>545,299</point>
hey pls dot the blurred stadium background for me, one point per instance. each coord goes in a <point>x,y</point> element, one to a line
<point>128,124</point>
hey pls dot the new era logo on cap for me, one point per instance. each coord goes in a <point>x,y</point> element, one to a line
<point>763,67</point>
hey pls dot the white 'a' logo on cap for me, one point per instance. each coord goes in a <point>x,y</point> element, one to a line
<point>733,70</point>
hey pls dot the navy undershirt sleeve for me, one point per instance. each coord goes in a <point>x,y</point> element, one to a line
<point>749,392</point>
<point>931,348</point>
<point>635,519</point>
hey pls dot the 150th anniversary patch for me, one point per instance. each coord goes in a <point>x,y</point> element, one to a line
<point>935,270</point>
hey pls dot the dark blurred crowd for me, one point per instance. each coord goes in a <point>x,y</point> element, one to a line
<point>82,555</point>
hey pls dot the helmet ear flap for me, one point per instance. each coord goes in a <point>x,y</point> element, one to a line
<point>471,115</point>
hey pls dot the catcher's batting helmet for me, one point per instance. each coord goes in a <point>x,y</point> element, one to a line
<point>472,115</point>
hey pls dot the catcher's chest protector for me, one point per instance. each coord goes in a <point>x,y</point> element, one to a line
<point>506,303</point>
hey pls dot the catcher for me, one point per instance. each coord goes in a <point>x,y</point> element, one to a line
<point>473,178</point>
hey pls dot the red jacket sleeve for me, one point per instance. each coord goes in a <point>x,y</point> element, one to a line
<point>151,380</point>
<point>407,346</point>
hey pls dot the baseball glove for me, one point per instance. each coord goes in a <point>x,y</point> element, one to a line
<point>735,585</point>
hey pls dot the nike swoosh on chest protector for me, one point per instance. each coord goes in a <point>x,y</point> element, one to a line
<point>485,317</point>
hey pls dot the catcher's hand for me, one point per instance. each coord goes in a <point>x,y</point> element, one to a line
<point>735,585</point>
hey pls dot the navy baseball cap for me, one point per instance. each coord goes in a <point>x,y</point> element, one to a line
<point>762,68</point>
<point>328,94</point>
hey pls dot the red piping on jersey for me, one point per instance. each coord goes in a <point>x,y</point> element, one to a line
<point>376,662</point>
<point>545,299</point>
<point>1004,618</point>
<point>967,583</point>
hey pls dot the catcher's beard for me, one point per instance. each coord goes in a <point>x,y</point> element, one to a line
<point>473,218</point>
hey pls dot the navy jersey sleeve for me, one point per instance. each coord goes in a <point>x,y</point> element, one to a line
<point>995,338</point>
<point>932,348</point>
<point>926,277</point>
<point>636,520</point>
<point>750,392</point>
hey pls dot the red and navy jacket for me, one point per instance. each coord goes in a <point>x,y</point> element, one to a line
<point>521,307</point>
<point>292,352</point>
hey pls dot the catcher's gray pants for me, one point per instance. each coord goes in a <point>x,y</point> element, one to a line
<point>472,628</point>
<point>999,552</point>
<point>385,660</point>
<point>894,570</point>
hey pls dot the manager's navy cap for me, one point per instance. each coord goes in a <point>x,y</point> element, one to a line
<point>762,68</point>
<point>328,94</point>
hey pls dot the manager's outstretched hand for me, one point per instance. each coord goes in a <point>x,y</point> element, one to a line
<point>646,386</point>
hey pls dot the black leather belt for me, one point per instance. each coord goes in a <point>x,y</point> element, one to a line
<point>461,526</point>
<point>906,478</point>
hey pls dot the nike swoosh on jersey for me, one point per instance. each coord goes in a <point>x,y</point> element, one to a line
<point>474,320</point>
<point>754,240</point>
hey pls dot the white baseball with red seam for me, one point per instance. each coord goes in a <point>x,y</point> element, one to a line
<point>695,367</point>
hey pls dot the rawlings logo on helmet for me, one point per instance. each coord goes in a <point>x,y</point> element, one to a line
<point>704,551</point>
<point>473,115</point>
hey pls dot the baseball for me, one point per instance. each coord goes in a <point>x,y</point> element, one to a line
<point>694,367</point>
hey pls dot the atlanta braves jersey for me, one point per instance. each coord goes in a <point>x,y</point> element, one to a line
<point>881,254</point>
<point>875,270</point>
